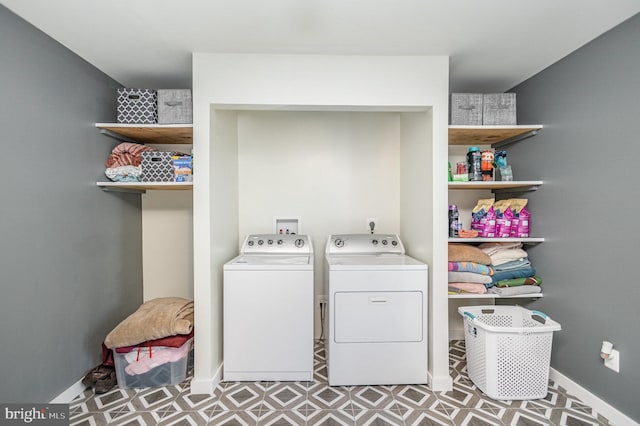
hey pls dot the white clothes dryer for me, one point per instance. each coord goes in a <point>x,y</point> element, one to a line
<point>268,310</point>
<point>376,312</point>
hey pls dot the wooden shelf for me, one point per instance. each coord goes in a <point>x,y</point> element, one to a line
<point>495,296</point>
<point>496,136</point>
<point>149,133</point>
<point>142,187</point>
<point>531,240</point>
<point>497,185</point>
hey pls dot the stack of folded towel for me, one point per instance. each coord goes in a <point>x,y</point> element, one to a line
<point>124,162</point>
<point>513,272</point>
<point>160,323</point>
<point>470,269</point>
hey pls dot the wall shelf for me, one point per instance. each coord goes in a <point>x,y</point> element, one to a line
<point>530,240</point>
<point>495,296</point>
<point>497,186</point>
<point>142,187</point>
<point>149,133</point>
<point>496,136</point>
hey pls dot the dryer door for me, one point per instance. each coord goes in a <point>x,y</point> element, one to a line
<point>377,317</point>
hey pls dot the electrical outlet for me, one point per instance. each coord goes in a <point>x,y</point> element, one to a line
<point>320,299</point>
<point>370,221</point>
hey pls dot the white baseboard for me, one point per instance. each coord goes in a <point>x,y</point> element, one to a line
<point>444,384</point>
<point>70,394</point>
<point>206,386</point>
<point>614,416</point>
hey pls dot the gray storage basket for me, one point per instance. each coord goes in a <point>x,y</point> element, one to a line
<point>466,109</point>
<point>499,109</point>
<point>137,106</point>
<point>157,166</point>
<point>175,106</point>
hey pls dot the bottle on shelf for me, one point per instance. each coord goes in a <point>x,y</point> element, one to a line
<point>474,167</point>
<point>454,221</point>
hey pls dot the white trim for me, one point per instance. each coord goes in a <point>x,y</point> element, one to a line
<point>441,385</point>
<point>70,394</point>
<point>206,386</point>
<point>614,416</point>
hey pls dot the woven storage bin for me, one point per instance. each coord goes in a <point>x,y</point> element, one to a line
<point>175,106</point>
<point>137,106</point>
<point>157,166</point>
<point>508,350</point>
<point>499,109</point>
<point>466,109</point>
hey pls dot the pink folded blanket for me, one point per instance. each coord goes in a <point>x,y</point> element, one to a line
<point>469,287</point>
<point>126,154</point>
<point>470,267</point>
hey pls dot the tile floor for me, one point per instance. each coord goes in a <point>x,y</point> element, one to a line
<point>315,403</point>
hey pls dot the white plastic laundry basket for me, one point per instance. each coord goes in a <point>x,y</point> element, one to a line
<point>508,350</point>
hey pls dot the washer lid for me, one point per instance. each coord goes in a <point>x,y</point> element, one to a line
<point>246,262</point>
<point>374,262</point>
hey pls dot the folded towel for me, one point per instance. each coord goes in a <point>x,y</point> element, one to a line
<point>468,277</point>
<point>470,267</point>
<point>516,273</point>
<point>467,253</point>
<point>513,264</point>
<point>495,247</point>
<point>505,256</point>
<point>155,319</point>
<point>514,291</point>
<point>517,282</point>
<point>467,288</point>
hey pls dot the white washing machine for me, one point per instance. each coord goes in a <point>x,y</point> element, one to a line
<point>268,310</point>
<point>376,311</point>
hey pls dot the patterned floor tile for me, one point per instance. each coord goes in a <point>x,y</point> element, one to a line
<point>242,396</point>
<point>379,418</point>
<point>524,418</point>
<point>114,400</point>
<point>282,418</point>
<point>188,401</point>
<point>152,399</point>
<point>93,419</point>
<point>139,418</point>
<point>415,396</point>
<point>330,418</point>
<point>471,417</point>
<point>234,418</point>
<point>185,418</point>
<point>372,397</point>
<point>426,418</point>
<point>285,396</point>
<point>328,397</point>
<point>562,417</point>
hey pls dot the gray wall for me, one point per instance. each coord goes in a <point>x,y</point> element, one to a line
<point>70,254</point>
<point>588,155</point>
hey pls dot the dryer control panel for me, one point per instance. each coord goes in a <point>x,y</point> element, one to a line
<point>364,244</point>
<point>276,244</point>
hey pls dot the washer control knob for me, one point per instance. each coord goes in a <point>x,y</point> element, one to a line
<point>374,242</point>
<point>279,242</point>
<point>250,243</point>
<point>385,242</point>
<point>339,243</point>
<point>299,243</point>
<point>394,243</point>
<point>270,242</point>
<point>260,242</point>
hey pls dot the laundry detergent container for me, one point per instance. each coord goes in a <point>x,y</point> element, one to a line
<point>151,366</point>
<point>508,350</point>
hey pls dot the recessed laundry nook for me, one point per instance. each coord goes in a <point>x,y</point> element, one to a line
<point>332,140</point>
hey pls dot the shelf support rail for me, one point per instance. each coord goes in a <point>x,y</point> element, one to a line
<point>118,136</point>
<point>516,138</point>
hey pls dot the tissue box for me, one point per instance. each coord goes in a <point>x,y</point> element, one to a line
<point>175,106</point>
<point>466,109</point>
<point>137,106</point>
<point>183,168</point>
<point>499,109</point>
<point>152,366</point>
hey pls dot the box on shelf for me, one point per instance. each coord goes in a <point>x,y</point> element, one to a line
<point>466,109</point>
<point>183,168</point>
<point>152,366</point>
<point>499,109</point>
<point>137,106</point>
<point>175,106</point>
<point>157,166</point>
<point>508,350</point>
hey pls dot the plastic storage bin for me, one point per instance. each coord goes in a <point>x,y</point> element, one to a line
<point>508,350</point>
<point>152,366</point>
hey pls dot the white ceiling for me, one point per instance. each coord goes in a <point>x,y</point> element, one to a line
<point>493,44</point>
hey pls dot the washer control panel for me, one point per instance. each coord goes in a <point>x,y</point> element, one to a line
<point>364,244</point>
<point>277,244</point>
